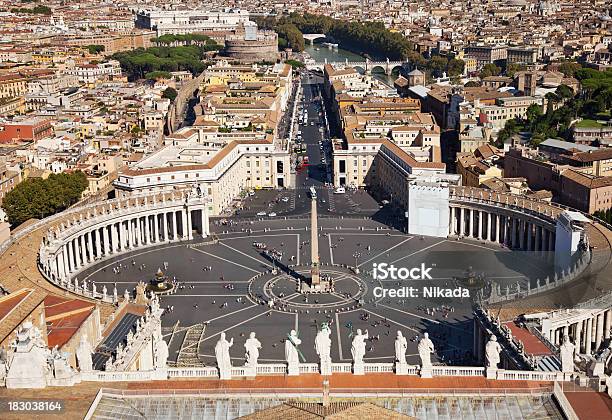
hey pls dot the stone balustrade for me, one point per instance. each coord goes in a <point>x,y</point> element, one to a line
<point>211,372</point>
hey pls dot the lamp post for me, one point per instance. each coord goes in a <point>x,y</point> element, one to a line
<point>356,255</point>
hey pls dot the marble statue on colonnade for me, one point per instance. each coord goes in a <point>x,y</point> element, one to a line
<point>222,355</point>
<point>567,351</point>
<point>492,351</point>
<point>358,349</point>
<point>292,355</point>
<point>252,346</point>
<point>161,354</point>
<point>323,349</point>
<point>83,354</point>
<point>425,349</point>
<point>401,345</point>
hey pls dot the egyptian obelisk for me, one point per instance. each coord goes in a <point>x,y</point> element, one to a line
<point>314,244</point>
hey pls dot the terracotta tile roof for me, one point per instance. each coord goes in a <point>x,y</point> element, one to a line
<point>56,306</point>
<point>590,404</point>
<point>11,301</point>
<point>533,345</point>
<point>592,156</point>
<point>16,310</point>
<point>64,317</point>
<point>407,157</point>
<point>588,181</point>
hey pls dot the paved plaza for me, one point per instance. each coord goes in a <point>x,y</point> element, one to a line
<point>225,285</point>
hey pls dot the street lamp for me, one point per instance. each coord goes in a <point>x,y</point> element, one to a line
<point>356,255</point>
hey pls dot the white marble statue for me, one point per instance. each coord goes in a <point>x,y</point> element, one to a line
<point>161,354</point>
<point>291,352</point>
<point>567,353</point>
<point>252,346</point>
<point>400,348</point>
<point>323,344</point>
<point>492,350</point>
<point>358,347</point>
<point>224,362</point>
<point>425,348</point>
<point>83,354</point>
<point>108,366</point>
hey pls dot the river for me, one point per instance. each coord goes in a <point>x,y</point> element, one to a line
<point>319,53</point>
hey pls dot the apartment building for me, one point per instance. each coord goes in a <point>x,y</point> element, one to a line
<point>12,85</point>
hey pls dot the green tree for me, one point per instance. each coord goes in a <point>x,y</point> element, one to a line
<point>569,68</point>
<point>156,75</point>
<point>455,67</point>
<point>95,49</point>
<point>170,93</point>
<point>296,64</point>
<point>489,69</point>
<point>513,68</point>
<point>564,92</point>
<point>39,198</point>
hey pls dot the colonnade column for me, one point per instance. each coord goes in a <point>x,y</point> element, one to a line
<point>174,229</point>
<point>166,226</point>
<point>105,240</point>
<point>578,337</point>
<point>461,221</point>
<point>451,227</point>
<point>156,227</point>
<point>529,236</point>
<point>77,252</point>
<point>497,236</point>
<point>66,259</point>
<point>587,344</point>
<point>130,233</point>
<point>184,223</point>
<point>189,226</point>
<point>98,250</point>
<point>607,323</point>
<point>480,223</point>
<point>120,236</point>
<point>598,330</point>
<point>147,235</point>
<point>204,224</point>
<point>90,255</point>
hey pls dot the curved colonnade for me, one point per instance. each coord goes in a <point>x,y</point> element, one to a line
<point>97,232</point>
<point>101,231</point>
<point>516,222</point>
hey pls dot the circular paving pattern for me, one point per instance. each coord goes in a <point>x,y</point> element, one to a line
<point>281,291</point>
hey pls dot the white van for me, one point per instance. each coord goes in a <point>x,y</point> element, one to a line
<point>340,190</point>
